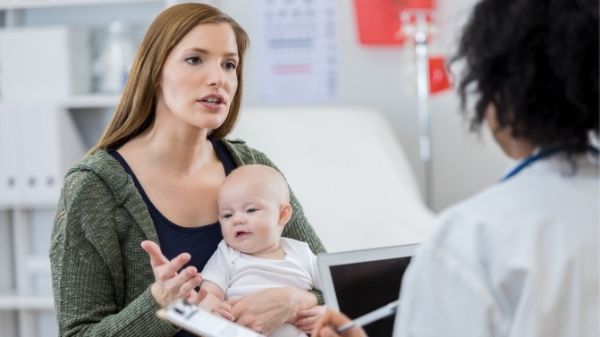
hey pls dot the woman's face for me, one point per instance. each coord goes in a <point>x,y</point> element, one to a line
<point>198,80</point>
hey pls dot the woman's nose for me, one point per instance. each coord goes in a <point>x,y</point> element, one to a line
<point>216,76</point>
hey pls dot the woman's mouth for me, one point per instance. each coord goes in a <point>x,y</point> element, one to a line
<point>212,102</point>
<point>212,99</point>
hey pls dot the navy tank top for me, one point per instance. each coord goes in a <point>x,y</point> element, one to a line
<point>201,241</point>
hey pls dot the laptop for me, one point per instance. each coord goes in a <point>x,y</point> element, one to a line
<point>360,281</point>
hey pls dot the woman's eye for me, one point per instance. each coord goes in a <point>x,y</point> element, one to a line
<point>230,66</point>
<point>193,60</point>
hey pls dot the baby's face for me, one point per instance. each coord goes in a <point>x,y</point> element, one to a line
<point>249,218</point>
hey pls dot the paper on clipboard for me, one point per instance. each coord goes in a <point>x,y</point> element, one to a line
<point>202,322</point>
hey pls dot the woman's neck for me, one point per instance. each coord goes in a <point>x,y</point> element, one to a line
<point>518,148</point>
<point>515,148</point>
<point>179,149</point>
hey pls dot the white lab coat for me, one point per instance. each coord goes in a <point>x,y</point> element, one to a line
<point>520,259</point>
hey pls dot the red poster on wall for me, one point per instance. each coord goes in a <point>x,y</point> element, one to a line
<point>378,21</point>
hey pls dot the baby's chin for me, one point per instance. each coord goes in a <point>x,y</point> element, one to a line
<point>247,248</point>
<point>241,247</point>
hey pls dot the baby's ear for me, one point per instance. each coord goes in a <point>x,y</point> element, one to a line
<point>285,213</point>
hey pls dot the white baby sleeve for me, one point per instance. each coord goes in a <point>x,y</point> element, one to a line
<point>217,268</point>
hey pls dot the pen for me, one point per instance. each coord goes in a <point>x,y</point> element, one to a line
<point>371,317</point>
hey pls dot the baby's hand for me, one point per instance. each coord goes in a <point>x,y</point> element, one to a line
<point>224,310</point>
<point>307,318</point>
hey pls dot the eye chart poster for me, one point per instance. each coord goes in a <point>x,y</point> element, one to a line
<point>297,51</point>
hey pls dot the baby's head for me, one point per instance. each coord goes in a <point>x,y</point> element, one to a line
<point>254,206</point>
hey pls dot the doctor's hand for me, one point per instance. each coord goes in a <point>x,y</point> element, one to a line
<point>171,283</point>
<point>265,310</point>
<point>331,320</point>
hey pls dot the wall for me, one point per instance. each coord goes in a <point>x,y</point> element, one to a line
<point>373,77</point>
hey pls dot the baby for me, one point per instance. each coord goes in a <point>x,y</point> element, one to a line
<point>254,207</point>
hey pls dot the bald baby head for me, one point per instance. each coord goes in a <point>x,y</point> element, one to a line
<point>259,180</point>
<point>254,207</point>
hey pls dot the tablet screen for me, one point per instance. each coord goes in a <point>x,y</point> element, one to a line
<point>365,286</point>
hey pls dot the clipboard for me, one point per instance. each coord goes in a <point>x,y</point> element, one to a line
<point>202,322</point>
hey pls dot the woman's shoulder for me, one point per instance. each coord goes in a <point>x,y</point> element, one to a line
<point>243,154</point>
<point>99,162</point>
<point>95,173</point>
<point>83,173</point>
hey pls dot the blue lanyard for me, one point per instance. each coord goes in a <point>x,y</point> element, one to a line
<point>538,156</point>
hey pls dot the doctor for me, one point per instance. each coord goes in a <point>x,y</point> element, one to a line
<point>520,258</point>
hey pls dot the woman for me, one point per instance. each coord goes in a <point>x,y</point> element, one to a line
<point>154,176</point>
<point>521,258</point>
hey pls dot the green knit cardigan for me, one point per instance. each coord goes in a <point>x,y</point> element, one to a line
<point>101,276</point>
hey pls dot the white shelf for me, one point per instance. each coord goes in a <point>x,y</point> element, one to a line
<point>29,205</point>
<point>90,101</point>
<point>16,302</point>
<point>38,264</point>
<point>24,4</point>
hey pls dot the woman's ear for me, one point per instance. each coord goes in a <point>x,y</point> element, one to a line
<point>285,213</point>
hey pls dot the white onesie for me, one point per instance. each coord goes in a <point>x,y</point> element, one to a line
<point>240,274</point>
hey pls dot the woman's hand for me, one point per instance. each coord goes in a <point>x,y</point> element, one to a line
<point>307,318</point>
<point>331,320</point>
<point>170,283</point>
<point>265,310</point>
<point>224,310</point>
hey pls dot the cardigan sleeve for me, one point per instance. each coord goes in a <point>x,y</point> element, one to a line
<point>86,265</point>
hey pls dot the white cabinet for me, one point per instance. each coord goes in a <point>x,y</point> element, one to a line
<point>26,300</point>
<point>39,143</point>
<point>41,154</point>
<point>46,140</point>
<point>43,133</point>
<point>44,62</point>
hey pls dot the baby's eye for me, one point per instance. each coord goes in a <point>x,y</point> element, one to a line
<point>251,210</point>
<point>226,216</point>
<point>193,60</point>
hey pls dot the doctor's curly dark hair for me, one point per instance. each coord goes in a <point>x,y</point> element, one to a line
<point>537,62</point>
